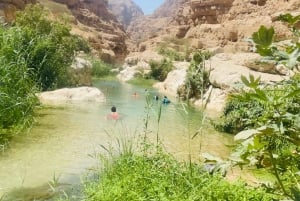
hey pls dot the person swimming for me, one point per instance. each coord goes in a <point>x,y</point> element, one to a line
<point>165,100</point>
<point>114,114</point>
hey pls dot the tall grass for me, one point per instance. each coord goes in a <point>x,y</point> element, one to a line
<point>159,176</point>
<point>150,173</point>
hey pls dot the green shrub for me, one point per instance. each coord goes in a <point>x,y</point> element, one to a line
<point>237,116</point>
<point>171,54</point>
<point>100,68</point>
<point>197,79</point>
<point>161,177</point>
<point>35,53</point>
<point>272,140</point>
<point>160,70</point>
<point>17,98</point>
<point>47,46</point>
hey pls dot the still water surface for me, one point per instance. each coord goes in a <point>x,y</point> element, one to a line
<point>62,143</point>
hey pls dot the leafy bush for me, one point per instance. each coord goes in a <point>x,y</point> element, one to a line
<point>161,177</point>
<point>160,70</point>
<point>237,116</point>
<point>48,47</point>
<point>171,54</point>
<point>265,46</point>
<point>270,130</point>
<point>35,53</point>
<point>100,68</point>
<point>197,80</point>
<point>17,99</point>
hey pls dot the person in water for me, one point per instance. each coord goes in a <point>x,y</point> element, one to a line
<point>135,94</point>
<point>114,114</point>
<point>165,100</point>
<point>156,97</point>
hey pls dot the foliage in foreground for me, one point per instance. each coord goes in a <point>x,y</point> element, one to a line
<point>280,98</point>
<point>270,131</point>
<point>288,55</point>
<point>161,177</point>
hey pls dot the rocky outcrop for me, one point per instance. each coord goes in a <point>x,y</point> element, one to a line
<point>212,23</point>
<point>227,68</point>
<point>174,80</point>
<point>72,95</point>
<point>137,64</point>
<point>227,23</point>
<point>125,10</point>
<point>100,27</point>
<point>151,26</point>
<point>81,72</point>
<point>8,8</point>
<point>90,18</point>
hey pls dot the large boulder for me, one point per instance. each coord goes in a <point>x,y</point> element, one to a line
<point>72,95</point>
<point>81,72</point>
<point>174,80</point>
<point>138,64</point>
<point>227,70</point>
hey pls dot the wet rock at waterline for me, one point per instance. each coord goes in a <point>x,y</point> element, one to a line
<point>72,95</point>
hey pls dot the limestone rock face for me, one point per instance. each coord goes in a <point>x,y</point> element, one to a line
<point>100,27</point>
<point>213,23</point>
<point>91,19</point>
<point>82,70</point>
<point>227,69</point>
<point>174,80</point>
<point>72,95</point>
<point>150,26</point>
<point>227,23</point>
<point>125,10</point>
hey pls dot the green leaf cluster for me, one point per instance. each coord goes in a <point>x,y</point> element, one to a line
<point>270,138</point>
<point>266,47</point>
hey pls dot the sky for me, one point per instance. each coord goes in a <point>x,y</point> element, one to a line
<point>148,6</point>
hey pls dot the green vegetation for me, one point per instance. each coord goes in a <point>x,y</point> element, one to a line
<point>48,47</point>
<point>171,54</point>
<point>160,70</point>
<point>273,141</point>
<point>100,68</point>
<point>175,49</point>
<point>279,98</point>
<point>161,177</point>
<point>197,79</point>
<point>288,55</point>
<point>142,82</point>
<point>35,54</point>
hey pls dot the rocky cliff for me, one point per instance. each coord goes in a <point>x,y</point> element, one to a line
<point>90,19</point>
<point>218,24</point>
<point>227,23</point>
<point>125,10</point>
<point>100,27</point>
<point>145,27</point>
